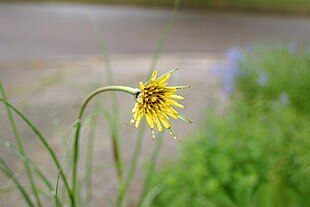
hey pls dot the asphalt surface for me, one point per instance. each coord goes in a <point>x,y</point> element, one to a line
<point>52,30</point>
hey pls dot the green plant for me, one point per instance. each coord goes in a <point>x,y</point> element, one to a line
<point>256,153</point>
<point>275,75</point>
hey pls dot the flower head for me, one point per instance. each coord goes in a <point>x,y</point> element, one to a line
<point>155,101</point>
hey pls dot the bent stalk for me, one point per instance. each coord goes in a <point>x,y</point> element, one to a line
<point>125,89</point>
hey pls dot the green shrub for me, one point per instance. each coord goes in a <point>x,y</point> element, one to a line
<point>257,153</point>
<point>276,75</point>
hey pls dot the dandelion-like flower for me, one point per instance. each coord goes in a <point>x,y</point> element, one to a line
<point>155,101</point>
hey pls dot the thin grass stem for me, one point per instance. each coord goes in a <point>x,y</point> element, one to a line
<point>68,141</point>
<point>46,145</point>
<point>89,157</point>
<point>35,168</point>
<point>163,38</point>
<point>115,135</point>
<point>151,168</point>
<point>10,174</point>
<point>133,166</point>
<point>21,147</point>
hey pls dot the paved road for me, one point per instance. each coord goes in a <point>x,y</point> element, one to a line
<point>51,30</point>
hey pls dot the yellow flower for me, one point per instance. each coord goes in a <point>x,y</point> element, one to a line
<point>155,101</point>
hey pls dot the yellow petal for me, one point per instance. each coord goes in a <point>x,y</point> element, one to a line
<point>163,79</point>
<point>173,115</point>
<point>157,123</point>
<point>170,91</point>
<point>149,120</point>
<point>134,108</point>
<point>164,121</point>
<point>181,87</point>
<point>171,71</point>
<point>174,103</point>
<point>138,120</point>
<point>154,75</point>
<point>141,86</point>
<point>173,111</point>
<point>176,97</point>
<point>165,115</point>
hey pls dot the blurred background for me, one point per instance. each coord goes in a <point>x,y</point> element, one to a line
<point>248,62</point>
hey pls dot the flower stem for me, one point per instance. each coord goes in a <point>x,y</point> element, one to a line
<point>125,89</point>
<point>115,136</point>
<point>151,169</point>
<point>121,198</point>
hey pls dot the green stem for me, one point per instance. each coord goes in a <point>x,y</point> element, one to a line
<point>89,156</point>
<point>68,140</point>
<point>10,174</point>
<point>125,89</point>
<point>21,147</point>
<point>163,38</point>
<point>150,170</point>
<point>17,152</point>
<point>115,136</point>
<point>133,166</point>
<point>46,145</point>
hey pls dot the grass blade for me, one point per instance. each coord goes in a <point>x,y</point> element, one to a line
<point>21,147</point>
<point>68,141</point>
<point>163,38</point>
<point>8,172</point>
<point>89,156</point>
<point>23,157</point>
<point>133,166</point>
<point>115,136</point>
<point>151,168</point>
<point>46,145</point>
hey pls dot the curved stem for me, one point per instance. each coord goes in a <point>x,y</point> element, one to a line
<point>125,89</point>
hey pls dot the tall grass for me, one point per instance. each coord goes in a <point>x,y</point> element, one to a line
<point>21,147</point>
<point>45,144</point>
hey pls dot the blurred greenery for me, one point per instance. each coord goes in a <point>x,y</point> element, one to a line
<point>282,6</point>
<point>256,153</point>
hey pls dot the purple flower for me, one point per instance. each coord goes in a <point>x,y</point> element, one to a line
<point>233,55</point>
<point>284,98</point>
<point>262,79</point>
<point>230,69</point>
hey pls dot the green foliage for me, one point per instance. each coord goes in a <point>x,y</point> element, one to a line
<point>276,75</point>
<point>257,153</point>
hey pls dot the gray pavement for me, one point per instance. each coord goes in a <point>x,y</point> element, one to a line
<point>52,30</point>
